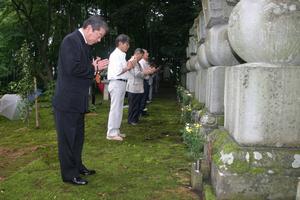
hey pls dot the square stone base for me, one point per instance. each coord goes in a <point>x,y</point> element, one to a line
<point>252,172</point>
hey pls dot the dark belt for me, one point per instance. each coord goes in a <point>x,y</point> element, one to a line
<point>124,80</point>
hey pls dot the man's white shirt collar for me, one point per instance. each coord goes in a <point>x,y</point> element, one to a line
<point>121,52</point>
<point>81,31</point>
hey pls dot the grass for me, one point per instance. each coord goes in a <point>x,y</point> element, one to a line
<point>149,164</point>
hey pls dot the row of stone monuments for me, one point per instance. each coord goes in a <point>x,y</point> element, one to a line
<point>244,63</point>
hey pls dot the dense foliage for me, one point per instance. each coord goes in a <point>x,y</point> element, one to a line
<point>160,26</point>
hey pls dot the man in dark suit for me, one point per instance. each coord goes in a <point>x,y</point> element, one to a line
<point>76,70</point>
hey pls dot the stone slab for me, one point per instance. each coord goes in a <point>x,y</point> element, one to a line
<point>215,89</point>
<point>262,104</point>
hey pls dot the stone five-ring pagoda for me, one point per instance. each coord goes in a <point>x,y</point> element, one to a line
<point>244,63</point>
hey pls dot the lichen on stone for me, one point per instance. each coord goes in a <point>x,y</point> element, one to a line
<point>296,163</point>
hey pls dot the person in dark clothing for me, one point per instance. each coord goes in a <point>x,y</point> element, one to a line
<point>76,70</point>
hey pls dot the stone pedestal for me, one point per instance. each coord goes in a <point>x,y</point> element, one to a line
<point>215,89</point>
<point>247,173</point>
<point>202,75</point>
<point>197,82</point>
<point>262,104</point>
<point>193,81</point>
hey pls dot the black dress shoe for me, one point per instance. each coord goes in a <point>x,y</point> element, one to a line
<point>87,172</point>
<point>77,181</point>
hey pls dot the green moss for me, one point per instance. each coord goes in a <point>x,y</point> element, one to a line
<point>208,193</point>
<point>220,120</point>
<point>257,170</point>
<point>224,143</point>
<point>149,164</point>
<point>196,105</point>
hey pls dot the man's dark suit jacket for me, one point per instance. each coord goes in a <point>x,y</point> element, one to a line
<point>75,73</point>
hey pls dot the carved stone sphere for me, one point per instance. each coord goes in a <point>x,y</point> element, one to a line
<point>266,31</point>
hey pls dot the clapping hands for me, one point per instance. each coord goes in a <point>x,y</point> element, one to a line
<point>149,70</point>
<point>131,62</point>
<point>100,64</point>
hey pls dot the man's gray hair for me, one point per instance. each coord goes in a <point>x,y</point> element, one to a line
<point>96,22</point>
<point>122,38</point>
<point>139,50</point>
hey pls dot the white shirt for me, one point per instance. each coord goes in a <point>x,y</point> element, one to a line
<point>81,31</point>
<point>144,65</point>
<point>117,61</point>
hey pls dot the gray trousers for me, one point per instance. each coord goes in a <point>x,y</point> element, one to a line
<point>117,91</point>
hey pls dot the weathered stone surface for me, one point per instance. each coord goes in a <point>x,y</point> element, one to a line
<point>252,173</point>
<point>217,48</point>
<point>202,75</point>
<point>196,178</point>
<point>202,58</point>
<point>187,51</point>
<point>201,29</point>
<point>266,31</point>
<point>188,81</point>
<point>216,11</point>
<point>191,79</point>
<point>197,85</point>
<point>262,104</point>
<point>215,89</point>
<point>188,65</point>
<point>193,46</point>
<point>193,31</point>
<point>193,63</point>
<point>298,190</point>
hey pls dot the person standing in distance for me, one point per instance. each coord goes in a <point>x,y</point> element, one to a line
<point>76,70</point>
<point>144,62</point>
<point>117,74</point>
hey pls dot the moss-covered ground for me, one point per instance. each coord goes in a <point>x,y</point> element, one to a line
<point>149,164</point>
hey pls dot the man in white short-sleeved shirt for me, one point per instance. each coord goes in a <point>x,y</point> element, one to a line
<point>117,75</point>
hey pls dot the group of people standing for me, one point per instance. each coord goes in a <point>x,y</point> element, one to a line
<point>76,70</point>
<point>126,76</point>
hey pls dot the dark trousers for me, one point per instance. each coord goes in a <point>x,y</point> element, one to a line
<point>70,135</point>
<point>134,101</point>
<point>93,92</point>
<point>145,96</point>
